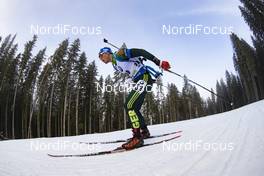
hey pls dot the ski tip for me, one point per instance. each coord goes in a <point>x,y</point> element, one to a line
<point>51,155</point>
<point>56,156</point>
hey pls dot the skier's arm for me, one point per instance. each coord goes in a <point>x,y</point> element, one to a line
<point>134,52</point>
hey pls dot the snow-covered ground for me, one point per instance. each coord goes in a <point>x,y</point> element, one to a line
<point>230,143</point>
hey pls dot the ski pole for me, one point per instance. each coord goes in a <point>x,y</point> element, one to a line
<point>106,41</point>
<point>219,96</point>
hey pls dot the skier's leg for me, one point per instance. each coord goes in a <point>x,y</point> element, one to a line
<point>133,105</point>
<point>136,140</point>
<point>143,126</point>
<point>132,110</point>
<point>135,100</point>
<point>134,117</point>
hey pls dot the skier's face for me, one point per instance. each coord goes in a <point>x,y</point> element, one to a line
<point>105,57</point>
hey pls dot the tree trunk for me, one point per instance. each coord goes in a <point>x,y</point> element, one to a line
<point>65,107</point>
<point>13,111</point>
<point>61,122</point>
<point>190,108</point>
<point>6,116</point>
<point>26,119</point>
<point>90,112</point>
<point>85,120</point>
<point>69,117</point>
<point>177,111</point>
<point>22,123</point>
<point>31,116</point>
<point>38,122</point>
<point>124,111</point>
<point>42,121</point>
<point>50,111</point>
<point>76,112</point>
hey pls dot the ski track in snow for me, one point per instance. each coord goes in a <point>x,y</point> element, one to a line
<point>243,127</point>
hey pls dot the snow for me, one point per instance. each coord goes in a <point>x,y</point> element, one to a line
<point>229,143</point>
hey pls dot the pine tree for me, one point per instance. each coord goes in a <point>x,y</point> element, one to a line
<point>173,95</point>
<point>160,101</point>
<point>3,50</point>
<point>80,85</point>
<point>108,105</point>
<point>253,13</point>
<point>23,68</point>
<point>30,82</point>
<point>186,95</point>
<point>149,106</point>
<point>68,67</point>
<point>91,95</point>
<point>245,63</point>
<point>7,52</point>
<point>100,104</point>
<point>8,72</point>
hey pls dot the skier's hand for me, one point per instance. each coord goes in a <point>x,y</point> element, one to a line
<point>165,65</point>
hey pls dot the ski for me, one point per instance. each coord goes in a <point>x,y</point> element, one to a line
<point>117,150</point>
<point>125,140</point>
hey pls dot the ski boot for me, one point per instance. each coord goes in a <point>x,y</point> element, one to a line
<point>145,132</point>
<point>135,142</point>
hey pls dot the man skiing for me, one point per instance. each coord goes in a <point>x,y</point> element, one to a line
<point>129,61</point>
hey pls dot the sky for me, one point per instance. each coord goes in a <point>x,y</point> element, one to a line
<point>203,56</point>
